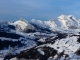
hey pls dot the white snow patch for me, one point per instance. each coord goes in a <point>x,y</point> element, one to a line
<point>41,52</point>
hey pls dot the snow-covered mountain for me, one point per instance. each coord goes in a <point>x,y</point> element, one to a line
<point>40,40</point>
<point>68,21</point>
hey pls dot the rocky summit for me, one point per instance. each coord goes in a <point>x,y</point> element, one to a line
<point>40,40</point>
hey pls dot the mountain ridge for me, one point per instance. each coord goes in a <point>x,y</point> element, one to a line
<point>22,39</point>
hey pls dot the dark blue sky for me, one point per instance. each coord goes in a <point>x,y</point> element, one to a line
<point>12,10</point>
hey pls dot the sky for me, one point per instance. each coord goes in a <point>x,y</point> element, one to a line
<point>12,10</point>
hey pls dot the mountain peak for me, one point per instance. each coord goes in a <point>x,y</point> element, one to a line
<point>51,24</point>
<point>21,24</point>
<point>68,22</point>
<point>62,17</point>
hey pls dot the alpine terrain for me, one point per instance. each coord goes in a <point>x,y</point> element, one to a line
<point>40,40</point>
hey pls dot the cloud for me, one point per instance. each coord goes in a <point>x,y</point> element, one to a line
<point>38,9</point>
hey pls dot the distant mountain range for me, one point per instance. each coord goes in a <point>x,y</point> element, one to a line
<point>40,40</point>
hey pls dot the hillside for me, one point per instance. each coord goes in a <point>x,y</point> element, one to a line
<point>40,40</point>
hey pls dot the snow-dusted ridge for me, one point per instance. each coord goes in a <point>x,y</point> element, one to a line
<point>46,40</point>
<point>67,22</point>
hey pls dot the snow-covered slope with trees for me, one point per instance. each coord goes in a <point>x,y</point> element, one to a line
<point>40,40</point>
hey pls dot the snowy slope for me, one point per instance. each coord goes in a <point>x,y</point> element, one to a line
<point>68,21</point>
<point>23,25</point>
<point>51,24</point>
<point>43,40</point>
